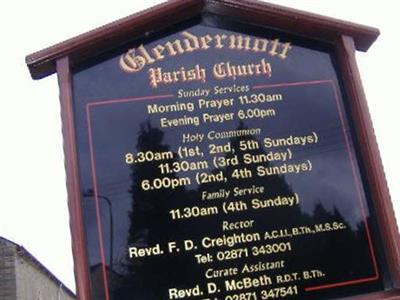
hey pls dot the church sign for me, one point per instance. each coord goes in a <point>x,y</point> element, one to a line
<point>223,150</point>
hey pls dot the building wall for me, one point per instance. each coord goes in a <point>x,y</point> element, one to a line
<point>7,272</point>
<point>34,284</point>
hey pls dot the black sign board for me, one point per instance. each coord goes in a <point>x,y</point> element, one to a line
<point>226,154</point>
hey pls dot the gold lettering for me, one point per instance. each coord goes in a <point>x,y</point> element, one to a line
<point>258,48</point>
<point>146,55</point>
<point>131,63</point>
<point>174,48</point>
<point>158,50</point>
<point>136,59</point>
<point>191,42</point>
<point>218,40</point>
<point>275,45</point>
<point>286,48</point>
<point>228,70</point>
<point>236,42</point>
<point>205,40</point>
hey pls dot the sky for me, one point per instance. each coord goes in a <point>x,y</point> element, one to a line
<point>33,197</point>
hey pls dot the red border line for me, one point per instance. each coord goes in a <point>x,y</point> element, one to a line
<point>358,188</point>
<point>263,86</point>
<point>124,100</point>
<point>348,147</point>
<point>99,227</point>
<point>94,177</point>
<point>340,284</point>
<point>353,164</point>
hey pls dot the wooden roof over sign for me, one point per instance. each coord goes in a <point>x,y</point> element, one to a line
<point>100,40</point>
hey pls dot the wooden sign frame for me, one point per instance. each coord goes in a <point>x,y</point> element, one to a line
<point>346,37</point>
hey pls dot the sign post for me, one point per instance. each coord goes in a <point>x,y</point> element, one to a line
<point>223,150</point>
